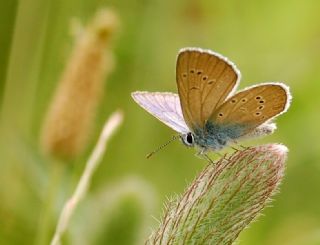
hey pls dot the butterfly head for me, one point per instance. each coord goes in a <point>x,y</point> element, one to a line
<point>212,137</point>
<point>202,142</point>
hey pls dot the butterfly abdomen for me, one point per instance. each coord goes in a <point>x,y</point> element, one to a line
<point>215,136</point>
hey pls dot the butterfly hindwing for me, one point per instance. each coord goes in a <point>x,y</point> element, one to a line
<point>205,79</point>
<point>253,106</point>
<point>164,106</point>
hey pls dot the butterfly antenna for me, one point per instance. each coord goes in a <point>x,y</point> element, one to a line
<point>162,146</point>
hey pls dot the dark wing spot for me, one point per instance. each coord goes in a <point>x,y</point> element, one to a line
<point>258,97</point>
<point>233,101</point>
<point>261,107</point>
<point>220,114</point>
<point>244,100</point>
<point>258,113</point>
<point>261,101</point>
<point>184,75</point>
<point>191,71</point>
<point>199,72</point>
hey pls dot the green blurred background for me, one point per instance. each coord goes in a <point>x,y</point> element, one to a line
<point>268,40</point>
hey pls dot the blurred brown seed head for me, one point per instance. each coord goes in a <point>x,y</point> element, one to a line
<point>69,119</point>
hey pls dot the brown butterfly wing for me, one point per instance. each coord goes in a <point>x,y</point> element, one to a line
<point>204,80</point>
<point>254,106</point>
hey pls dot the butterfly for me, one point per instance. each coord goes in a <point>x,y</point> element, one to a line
<point>207,112</point>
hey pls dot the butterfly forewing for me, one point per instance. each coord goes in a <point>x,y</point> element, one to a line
<point>164,106</point>
<point>254,106</point>
<point>204,79</point>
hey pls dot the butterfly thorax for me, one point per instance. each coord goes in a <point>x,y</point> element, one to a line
<point>216,136</point>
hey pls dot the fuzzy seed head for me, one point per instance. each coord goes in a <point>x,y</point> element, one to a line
<point>224,198</point>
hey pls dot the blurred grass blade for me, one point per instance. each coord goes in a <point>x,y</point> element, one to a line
<point>224,198</point>
<point>22,73</point>
<point>8,11</point>
<point>109,129</point>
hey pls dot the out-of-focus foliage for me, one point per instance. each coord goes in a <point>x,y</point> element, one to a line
<point>268,40</point>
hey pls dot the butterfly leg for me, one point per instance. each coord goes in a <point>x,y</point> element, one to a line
<point>202,155</point>
<point>244,147</point>
<point>208,158</point>
<point>221,156</point>
<point>241,146</point>
<point>234,148</point>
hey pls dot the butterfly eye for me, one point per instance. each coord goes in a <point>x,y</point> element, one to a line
<point>188,139</point>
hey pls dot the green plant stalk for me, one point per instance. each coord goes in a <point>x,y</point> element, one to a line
<point>81,189</point>
<point>224,198</point>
